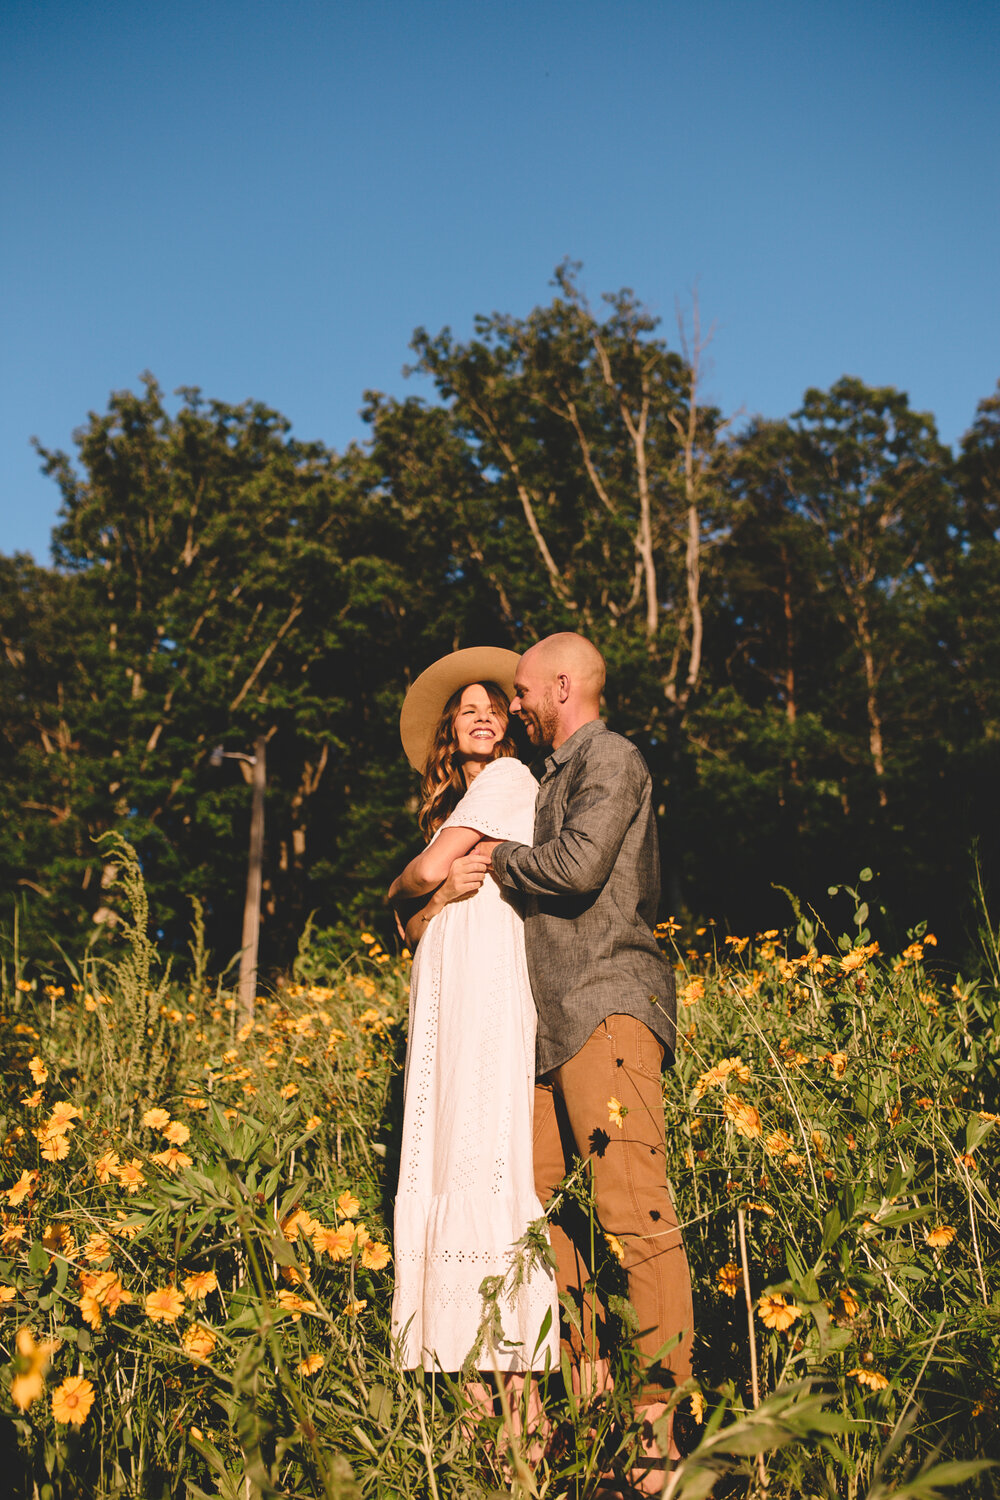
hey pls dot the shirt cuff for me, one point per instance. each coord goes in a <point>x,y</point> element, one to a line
<point>501,856</point>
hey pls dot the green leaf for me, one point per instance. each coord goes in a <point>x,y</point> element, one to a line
<point>832,1226</point>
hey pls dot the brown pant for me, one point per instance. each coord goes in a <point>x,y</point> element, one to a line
<point>620,1060</point>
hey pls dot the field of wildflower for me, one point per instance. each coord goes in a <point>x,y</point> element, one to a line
<point>196,1258</point>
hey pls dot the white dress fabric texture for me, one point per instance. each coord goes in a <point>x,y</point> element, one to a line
<point>466,1184</point>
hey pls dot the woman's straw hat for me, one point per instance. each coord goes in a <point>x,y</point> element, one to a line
<point>425,701</point>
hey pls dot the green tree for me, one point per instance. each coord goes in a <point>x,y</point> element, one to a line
<point>574,459</point>
<point>228,582</point>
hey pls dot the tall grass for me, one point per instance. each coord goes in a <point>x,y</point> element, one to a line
<point>195,1260</point>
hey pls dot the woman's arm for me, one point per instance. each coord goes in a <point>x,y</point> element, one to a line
<point>430,867</point>
<point>462,881</point>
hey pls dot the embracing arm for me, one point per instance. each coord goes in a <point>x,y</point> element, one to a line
<point>462,881</point>
<point>426,871</point>
<point>601,807</point>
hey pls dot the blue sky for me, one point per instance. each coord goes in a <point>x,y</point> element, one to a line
<point>266,199</point>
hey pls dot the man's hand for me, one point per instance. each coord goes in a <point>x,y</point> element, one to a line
<point>465,876</point>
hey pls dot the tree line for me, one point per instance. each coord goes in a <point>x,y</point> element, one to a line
<point>800,619</point>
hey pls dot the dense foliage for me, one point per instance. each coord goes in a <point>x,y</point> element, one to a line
<point>196,1264</point>
<point>800,619</point>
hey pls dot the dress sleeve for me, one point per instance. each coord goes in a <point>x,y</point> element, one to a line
<point>500,803</point>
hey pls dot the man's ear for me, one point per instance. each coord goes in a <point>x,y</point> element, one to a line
<point>562,687</point>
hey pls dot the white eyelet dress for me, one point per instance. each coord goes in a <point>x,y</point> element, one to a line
<point>466,1186</point>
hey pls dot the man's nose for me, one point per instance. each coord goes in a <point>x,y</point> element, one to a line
<point>515,704</point>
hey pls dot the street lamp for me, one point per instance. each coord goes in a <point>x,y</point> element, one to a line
<point>255,870</point>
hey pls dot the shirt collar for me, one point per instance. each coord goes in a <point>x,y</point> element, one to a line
<point>576,741</point>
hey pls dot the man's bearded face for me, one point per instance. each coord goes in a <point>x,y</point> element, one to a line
<point>534,704</point>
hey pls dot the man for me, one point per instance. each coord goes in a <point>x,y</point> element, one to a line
<point>605,1001</point>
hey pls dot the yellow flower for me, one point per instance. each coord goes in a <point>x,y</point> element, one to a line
<point>130,1176</point>
<point>71,1401</point>
<point>614,1245</point>
<point>336,1243</point>
<point>198,1341</point>
<point>39,1072</point>
<point>375,1257</point>
<point>367,937</point>
<point>858,956</point>
<point>312,1122</point>
<point>300,1222</point>
<point>288,1090</point>
<point>63,1114</point>
<point>24,1389</point>
<point>56,1148</point>
<point>942,1235</point>
<point>97,1247</point>
<point>848,1305</point>
<point>775,1312</point>
<point>27,1386</point>
<point>102,1292</point>
<point>617,1112</point>
<point>291,1302</point>
<point>106,1166</point>
<point>32,1100</point>
<point>692,992</point>
<point>744,1117</point>
<point>8,1293</point>
<point>730,1066</point>
<point>871,1378</point>
<point>697,1401</point>
<point>348,1206</point>
<point>311,1364</point>
<point>58,1240</point>
<point>90,1310</point>
<point>173,1159</point>
<point>838,1062</point>
<point>165,1305</point>
<point>177,1133</point>
<point>198,1285</point>
<point>352,1309</point>
<point>777,1143</point>
<point>156,1118</point>
<point>730,1278</point>
<point>21,1188</point>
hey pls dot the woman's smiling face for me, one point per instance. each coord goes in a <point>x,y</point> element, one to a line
<point>478,726</point>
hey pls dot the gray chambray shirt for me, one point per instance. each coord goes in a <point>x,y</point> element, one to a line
<point>593,879</point>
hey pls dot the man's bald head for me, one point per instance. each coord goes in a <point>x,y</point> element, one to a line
<point>557,687</point>
<point>575,656</point>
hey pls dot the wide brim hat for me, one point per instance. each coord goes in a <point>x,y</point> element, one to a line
<point>425,701</point>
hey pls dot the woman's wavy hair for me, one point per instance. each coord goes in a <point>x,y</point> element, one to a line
<point>443,785</point>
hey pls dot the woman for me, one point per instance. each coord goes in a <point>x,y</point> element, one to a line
<point>466,1190</point>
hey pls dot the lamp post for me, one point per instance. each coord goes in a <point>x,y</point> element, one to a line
<point>247,992</point>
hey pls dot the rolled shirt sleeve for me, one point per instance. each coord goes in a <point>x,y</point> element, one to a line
<point>581,857</point>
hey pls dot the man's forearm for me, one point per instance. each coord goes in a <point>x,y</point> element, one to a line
<point>572,864</point>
